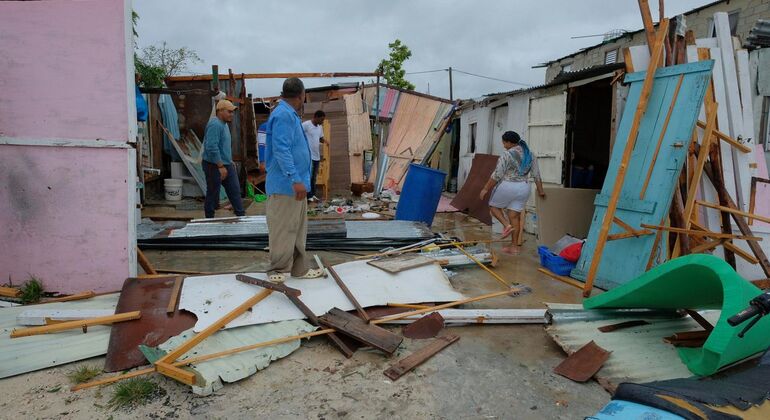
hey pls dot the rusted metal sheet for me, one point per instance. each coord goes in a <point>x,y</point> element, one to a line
<point>425,327</point>
<point>151,297</point>
<point>468,196</point>
<point>583,364</point>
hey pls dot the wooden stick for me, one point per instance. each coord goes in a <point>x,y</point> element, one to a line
<point>144,262</point>
<point>745,214</point>
<point>76,296</point>
<point>170,271</point>
<point>702,233</point>
<point>187,377</point>
<point>419,357</point>
<point>727,139</point>
<point>705,247</point>
<point>70,325</point>
<point>624,235</point>
<point>740,252</point>
<point>649,27</point>
<point>403,315</point>
<point>620,177</point>
<point>480,264</point>
<point>660,138</point>
<point>174,295</point>
<point>10,292</point>
<point>563,279</point>
<point>418,249</point>
<point>408,305</point>
<point>361,312</point>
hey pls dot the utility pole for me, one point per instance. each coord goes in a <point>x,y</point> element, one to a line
<point>451,97</point>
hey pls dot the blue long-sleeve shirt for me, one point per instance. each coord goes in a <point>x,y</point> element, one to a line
<point>217,144</point>
<point>287,153</point>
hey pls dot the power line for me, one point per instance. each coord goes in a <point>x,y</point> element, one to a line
<point>427,71</point>
<point>491,78</point>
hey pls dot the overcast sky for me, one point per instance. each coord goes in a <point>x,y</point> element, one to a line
<point>500,39</point>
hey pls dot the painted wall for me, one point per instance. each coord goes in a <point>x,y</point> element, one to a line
<point>67,172</point>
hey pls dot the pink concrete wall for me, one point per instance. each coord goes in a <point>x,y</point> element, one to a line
<point>63,69</point>
<point>64,216</point>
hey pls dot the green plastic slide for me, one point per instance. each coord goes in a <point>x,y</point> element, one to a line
<point>696,282</point>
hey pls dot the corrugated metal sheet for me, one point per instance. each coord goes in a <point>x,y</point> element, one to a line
<point>759,36</point>
<point>638,353</point>
<point>392,229</point>
<point>27,354</point>
<point>388,101</point>
<point>239,365</point>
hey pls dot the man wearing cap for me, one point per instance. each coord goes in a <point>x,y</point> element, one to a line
<point>288,180</point>
<point>217,159</point>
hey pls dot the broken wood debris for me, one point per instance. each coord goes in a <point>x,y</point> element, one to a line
<point>400,263</point>
<point>69,325</point>
<point>36,317</point>
<point>357,328</point>
<point>419,357</point>
<point>361,312</point>
<point>623,325</point>
<point>426,327</point>
<point>583,364</point>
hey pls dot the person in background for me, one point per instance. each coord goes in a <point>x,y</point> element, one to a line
<point>510,187</point>
<point>314,131</point>
<point>288,179</point>
<point>217,162</point>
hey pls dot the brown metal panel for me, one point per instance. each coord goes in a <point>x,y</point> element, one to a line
<point>468,196</point>
<point>583,364</point>
<point>425,327</point>
<point>151,297</point>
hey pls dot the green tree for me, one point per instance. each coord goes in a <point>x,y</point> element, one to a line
<point>159,61</point>
<point>392,67</point>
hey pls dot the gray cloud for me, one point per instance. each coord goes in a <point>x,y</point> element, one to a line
<point>501,39</point>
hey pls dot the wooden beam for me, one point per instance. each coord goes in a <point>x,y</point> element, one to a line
<point>749,216</point>
<point>10,292</point>
<point>408,305</point>
<point>480,264</point>
<point>649,27</point>
<point>660,138</point>
<point>355,327</point>
<point>170,357</point>
<point>702,233</point>
<point>706,246</point>
<point>620,177</point>
<point>740,252</point>
<point>71,325</point>
<point>174,295</point>
<point>634,234</point>
<point>271,76</point>
<point>76,296</point>
<point>563,279</point>
<point>361,312</point>
<point>629,62</point>
<point>144,262</point>
<point>727,139</point>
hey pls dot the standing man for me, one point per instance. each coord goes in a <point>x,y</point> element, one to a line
<point>218,161</point>
<point>314,131</point>
<point>288,179</point>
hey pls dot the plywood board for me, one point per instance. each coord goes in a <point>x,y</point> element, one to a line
<point>554,222</point>
<point>210,296</point>
<point>401,263</point>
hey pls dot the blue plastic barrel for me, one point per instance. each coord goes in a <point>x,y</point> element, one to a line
<point>262,152</point>
<point>421,194</point>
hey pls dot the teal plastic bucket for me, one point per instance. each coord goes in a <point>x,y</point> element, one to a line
<point>421,194</point>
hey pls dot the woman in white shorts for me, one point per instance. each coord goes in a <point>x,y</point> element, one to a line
<point>510,187</point>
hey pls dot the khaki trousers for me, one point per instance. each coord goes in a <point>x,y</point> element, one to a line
<point>287,227</point>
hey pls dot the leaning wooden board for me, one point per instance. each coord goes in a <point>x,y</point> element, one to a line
<point>395,265</point>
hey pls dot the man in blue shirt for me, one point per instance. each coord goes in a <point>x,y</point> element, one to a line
<point>217,159</point>
<point>287,156</point>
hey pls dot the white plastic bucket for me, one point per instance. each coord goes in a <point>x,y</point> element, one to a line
<point>173,189</point>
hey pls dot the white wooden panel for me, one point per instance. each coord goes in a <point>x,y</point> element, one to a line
<point>547,116</point>
<point>499,126</point>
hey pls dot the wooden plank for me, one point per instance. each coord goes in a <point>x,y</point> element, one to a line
<point>634,234</point>
<point>197,338</point>
<point>563,279</point>
<point>484,316</point>
<point>70,325</point>
<point>357,328</point>
<point>172,300</point>
<point>10,292</point>
<point>333,337</point>
<point>660,138</point>
<point>76,296</point>
<point>361,312</point>
<point>47,316</point>
<point>629,148</point>
<point>583,364</point>
<point>649,27</point>
<point>740,252</point>
<point>748,215</point>
<point>702,233</point>
<point>397,264</point>
<point>419,357</point>
<point>628,60</point>
<point>144,262</point>
<point>727,139</point>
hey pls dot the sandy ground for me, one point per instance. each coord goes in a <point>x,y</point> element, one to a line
<point>493,371</point>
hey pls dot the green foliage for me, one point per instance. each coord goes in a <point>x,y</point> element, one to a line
<point>157,62</point>
<point>31,291</point>
<point>392,67</point>
<point>84,374</point>
<point>134,392</point>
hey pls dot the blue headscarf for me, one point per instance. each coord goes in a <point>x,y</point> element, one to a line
<point>526,158</point>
